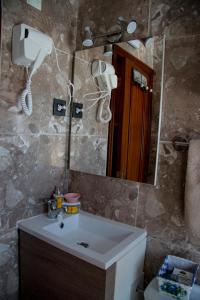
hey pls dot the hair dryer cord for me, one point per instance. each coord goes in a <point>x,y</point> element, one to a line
<point>26,99</point>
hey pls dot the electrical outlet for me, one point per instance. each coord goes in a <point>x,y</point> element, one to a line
<point>77,110</point>
<point>59,107</point>
<point>35,3</point>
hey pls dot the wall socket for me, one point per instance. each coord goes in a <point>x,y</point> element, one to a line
<point>59,107</point>
<point>35,3</point>
<point>77,110</point>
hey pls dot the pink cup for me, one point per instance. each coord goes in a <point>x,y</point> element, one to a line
<point>72,197</point>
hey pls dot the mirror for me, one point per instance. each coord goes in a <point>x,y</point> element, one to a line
<point>126,146</point>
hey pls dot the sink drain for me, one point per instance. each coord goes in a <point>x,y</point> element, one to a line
<point>61,225</point>
<point>83,244</point>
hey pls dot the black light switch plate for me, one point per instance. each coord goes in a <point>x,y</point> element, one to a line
<point>77,110</point>
<point>59,103</point>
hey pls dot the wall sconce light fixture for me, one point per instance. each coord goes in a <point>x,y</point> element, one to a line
<point>88,40</point>
<point>108,50</point>
<point>135,43</point>
<point>147,42</point>
<point>126,26</point>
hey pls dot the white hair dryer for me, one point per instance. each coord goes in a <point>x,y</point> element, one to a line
<point>29,48</point>
<point>105,75</point>
<point>107,80</point>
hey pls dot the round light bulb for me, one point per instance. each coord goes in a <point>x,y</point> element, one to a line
<point>87,43</point>
<point>108,50</point>
<point>135,43</point>
<point>131,27</point>
<point>149,42</point>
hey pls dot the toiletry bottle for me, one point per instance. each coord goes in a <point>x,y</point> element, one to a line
<point>59,198</point>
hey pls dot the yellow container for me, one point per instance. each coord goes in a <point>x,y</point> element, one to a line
<point>71,208</point>
<point>59,200</point>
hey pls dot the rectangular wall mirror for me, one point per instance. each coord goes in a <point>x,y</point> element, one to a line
<point>126,146</point>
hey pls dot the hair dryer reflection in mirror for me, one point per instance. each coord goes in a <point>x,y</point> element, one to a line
<point>104,73</point>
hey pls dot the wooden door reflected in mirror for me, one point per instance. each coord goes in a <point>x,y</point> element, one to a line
<point>130,127</point>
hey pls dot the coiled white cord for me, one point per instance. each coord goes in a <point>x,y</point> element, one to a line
<point>101,108</point>
<point>26,96</point>
<point>25,101</point>
<point>101,99</point>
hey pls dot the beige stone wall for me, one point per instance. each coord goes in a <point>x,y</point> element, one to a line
<point>32,149</point>
<point>158,209</point>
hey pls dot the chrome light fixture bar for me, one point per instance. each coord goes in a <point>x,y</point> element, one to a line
<point>114,36</point>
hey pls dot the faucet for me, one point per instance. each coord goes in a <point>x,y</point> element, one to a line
<point>53,211</point>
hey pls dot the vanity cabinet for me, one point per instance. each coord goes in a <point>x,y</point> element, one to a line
<point>84,257</point>
<point>48,273</point>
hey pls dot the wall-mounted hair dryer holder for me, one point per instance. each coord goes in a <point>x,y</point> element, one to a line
<point>29,48</point>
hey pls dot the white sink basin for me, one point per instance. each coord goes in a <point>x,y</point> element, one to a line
<point>100,236</point>
<point>97,240</point>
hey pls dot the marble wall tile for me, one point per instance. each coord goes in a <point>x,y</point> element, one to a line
<point>33,150</point>
<point>182,60</point>
<point>47,82</point>
<point>175,18</point>
<point>29,152</point>
<point>31,166</point>
<point>102,17</point>
<point>88,154</point>
<point>118,200</point>
<point>161,209</point>
<point>8,266</point>
<point>18,159</point>
<point>56,88</point>
<point>9,217</point>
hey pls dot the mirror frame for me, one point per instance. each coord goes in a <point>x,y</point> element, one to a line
<point>161,37</point>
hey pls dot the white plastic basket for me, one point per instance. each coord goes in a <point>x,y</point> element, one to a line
<point>173,288</point>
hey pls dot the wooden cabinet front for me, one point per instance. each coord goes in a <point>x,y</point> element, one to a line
<point>48,273</point>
